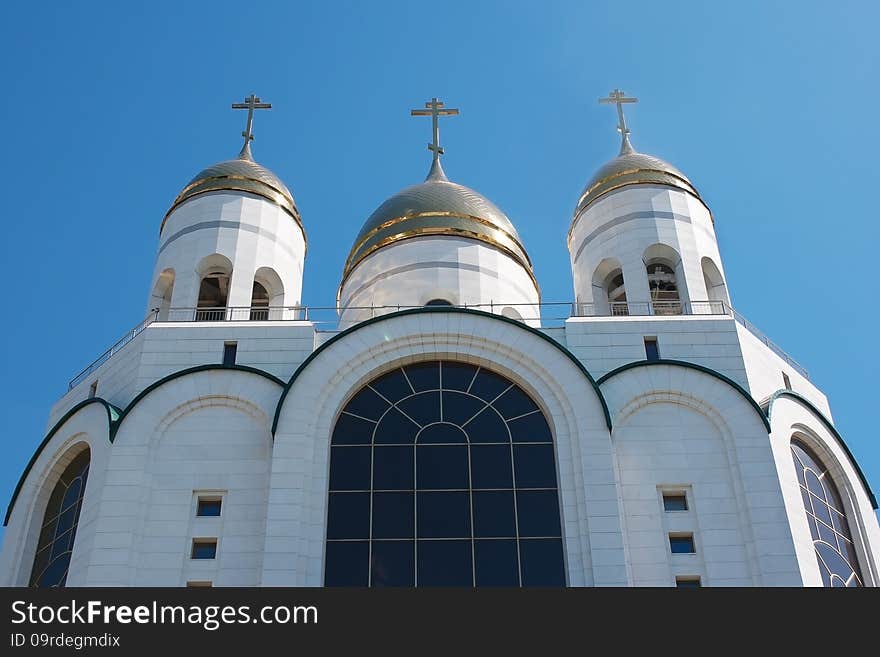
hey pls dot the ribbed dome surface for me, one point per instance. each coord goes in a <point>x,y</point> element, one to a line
<point>436,207</point>
<point>632,168</point>
<point>243,175</point>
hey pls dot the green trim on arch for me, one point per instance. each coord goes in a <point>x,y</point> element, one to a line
<point>176,375</point>
<point>440,309</point>
<point>113,414</point>
<point>834,432</point>
<point>699,368</point>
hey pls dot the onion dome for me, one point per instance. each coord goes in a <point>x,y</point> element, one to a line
<point>437,207</point>
<point>633,168</point>
<point>241,174</point>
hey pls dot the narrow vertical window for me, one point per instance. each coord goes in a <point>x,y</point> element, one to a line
<point>786,382</point>
<point>60,522</point>
<point>652,351</point>
<point>229,351</point>
<point>93,389</point>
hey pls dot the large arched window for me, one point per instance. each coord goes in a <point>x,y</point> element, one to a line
<point>826,516</point>
<point>443,474</point>
<point>58,529</point>
<point>213,293</point>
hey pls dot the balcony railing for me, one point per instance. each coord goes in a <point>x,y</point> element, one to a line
<point>548,314</point>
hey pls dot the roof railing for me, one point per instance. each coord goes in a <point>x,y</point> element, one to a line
<point>546,314</point>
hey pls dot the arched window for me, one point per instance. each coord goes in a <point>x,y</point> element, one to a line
<point>213,293</point>
<point>439,302</point>
<point>826,516</point>
<point>162,292</point>
<point>664,289</point>
<point>716,290</point>
<point>58,529</point>
<point>259,302</point>
<point>616,291</point>
<point>443,474</point>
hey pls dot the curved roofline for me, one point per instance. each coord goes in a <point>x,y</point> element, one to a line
<point>693,366</point>
<point>176,375</point>
<point>112,414</point>
<point>438,309</point>
<point>115,416</point>
<point>812,407</point>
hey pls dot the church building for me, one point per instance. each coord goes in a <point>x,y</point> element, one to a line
<point>441,431</point>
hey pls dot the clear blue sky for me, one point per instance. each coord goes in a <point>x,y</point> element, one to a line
<point>109,108</point>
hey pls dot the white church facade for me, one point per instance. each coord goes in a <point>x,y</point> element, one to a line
<point>442,432</point>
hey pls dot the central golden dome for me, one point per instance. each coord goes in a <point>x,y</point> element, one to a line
<point>437,207</point>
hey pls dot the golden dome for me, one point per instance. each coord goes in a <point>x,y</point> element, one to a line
<point>437,207</point>
<point>241,175</point>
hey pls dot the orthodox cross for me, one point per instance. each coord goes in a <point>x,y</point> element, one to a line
<point>618,97</point>
<point>435,109</point>
<point>250,103</point>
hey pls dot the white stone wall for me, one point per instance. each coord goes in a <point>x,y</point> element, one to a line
<point>206,431</point>
<point>679,428</point>
<point>249,231</point>
<point>764,370</point>
<point>462,271</point>
<point>624,223</point>
<point>604,343</point>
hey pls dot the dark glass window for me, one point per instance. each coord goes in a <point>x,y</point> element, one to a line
<point>682,544</point>
<point>675,502</point>
<point>229,351</point>
<point>652,351</point>
<point>826,517</point>
<point>208,507</point>
<point>60,521</point>
<point>443,474</point>
<point>688,582</point>
<point>204,548</point>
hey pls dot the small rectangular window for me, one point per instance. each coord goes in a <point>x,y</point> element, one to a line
<point>682,543</point>
<point>199,584</point>
<point>204,548</point>
<point>652,351</point>
<point>93,389</point>
<point>675,502</point>
<point>688,582</point>
<point>208,506</point>
<point>229,350</point>
<point>786,381</point>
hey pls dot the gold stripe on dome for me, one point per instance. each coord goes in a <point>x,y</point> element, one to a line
<point>657,177</point>
<point>437,231</point>
<point>494,231</point>
<point>236,183</point>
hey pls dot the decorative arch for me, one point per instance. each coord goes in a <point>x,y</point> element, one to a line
<point>160,299</point>
<point>666,281</point>
<point>693,366</point>
<point>609,288</point>
<point>791,394</point>
<point>716,289</point>
<point>65,488</point>
<point>215,274</point>
<point>112,414</point>
<point>267,296</point>
<point>544,370</point>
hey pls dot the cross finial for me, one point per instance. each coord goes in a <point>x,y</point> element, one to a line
<point>619,97</point>
<point>435,109</point>
<point>250,103</point>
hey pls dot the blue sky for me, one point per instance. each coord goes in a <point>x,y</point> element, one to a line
<point>110,108</point>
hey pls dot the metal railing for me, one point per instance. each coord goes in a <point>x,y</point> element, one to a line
<point>545,315</point>
<point>103,358</point>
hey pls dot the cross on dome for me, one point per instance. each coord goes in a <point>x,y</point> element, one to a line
<point>619,97</point>
<point>250,103</point>
<point>435,109</point>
